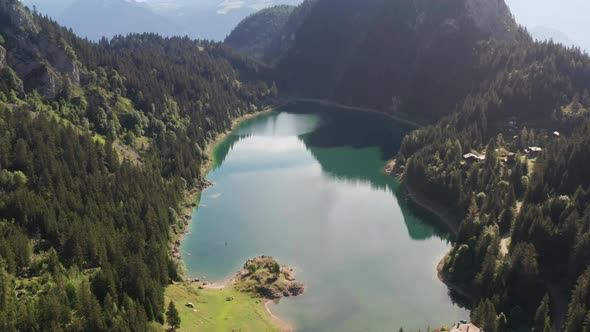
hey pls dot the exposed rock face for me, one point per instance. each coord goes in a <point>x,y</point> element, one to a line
<point>40,77</point>
<point>43,66</point>
<point>38,61</point>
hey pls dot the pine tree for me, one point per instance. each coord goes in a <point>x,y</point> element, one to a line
<point>484,316</point>
<point>542,317</point>
<point>172,317</point>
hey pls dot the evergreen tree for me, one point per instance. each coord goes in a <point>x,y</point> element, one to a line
<point>484,316</point>
<point>172,316</point>
<point>542,317</point>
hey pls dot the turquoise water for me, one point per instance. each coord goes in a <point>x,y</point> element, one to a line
<point>306,186</point>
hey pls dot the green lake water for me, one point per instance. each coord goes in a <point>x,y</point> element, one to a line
<point>306,186</point>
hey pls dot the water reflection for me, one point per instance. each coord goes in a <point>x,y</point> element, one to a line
<point>308,188</point>
<point>324,133</point>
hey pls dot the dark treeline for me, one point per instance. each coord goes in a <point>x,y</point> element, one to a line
<point>83,237</point>
<point>536,201</point>
<point>98,142</point>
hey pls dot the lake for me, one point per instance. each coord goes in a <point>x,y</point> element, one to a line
<point>306,185</point>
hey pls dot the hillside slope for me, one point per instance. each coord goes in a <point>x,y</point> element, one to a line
<point>255,34</point>
<point>402,50</point>
<point>98,144</point>
<point>267,34</point>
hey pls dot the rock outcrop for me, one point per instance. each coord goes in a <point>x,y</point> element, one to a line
<point>265,277</point>
<point>41,63</point>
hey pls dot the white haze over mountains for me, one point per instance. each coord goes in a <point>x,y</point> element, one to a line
<point>564,21</point>
<point>221,6</point>
<point>204,19</point>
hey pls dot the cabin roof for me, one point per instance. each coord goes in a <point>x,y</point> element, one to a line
<point>473,156</point>
<point>465,328</point>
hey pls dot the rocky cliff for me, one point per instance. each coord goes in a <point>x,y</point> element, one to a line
<point>33,54</point>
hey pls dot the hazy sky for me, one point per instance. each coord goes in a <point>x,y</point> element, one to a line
<point>571,17</point>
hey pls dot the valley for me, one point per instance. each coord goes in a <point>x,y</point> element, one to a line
<point>132,166</point>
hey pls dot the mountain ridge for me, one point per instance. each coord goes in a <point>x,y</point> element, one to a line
<point>400,40</point>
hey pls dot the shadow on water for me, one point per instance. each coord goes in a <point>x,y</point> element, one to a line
<point>367,131</point>
<point>328,138</point>
<point>353,129</point>
<point>319,175</point>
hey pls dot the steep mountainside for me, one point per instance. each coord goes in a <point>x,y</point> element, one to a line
<point>389,55</point>
<point>267,34</point>
<point>254,35</point>
<point>522,203</point>
<point>98,142</point>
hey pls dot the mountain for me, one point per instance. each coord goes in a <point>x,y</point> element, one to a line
<point>97,18</point>
<point>256,33</point>
<point>397,48</point>
<point>568,17</point>
<point>99,141</point>
<point>204,19</point>
<point>52,8</point>
<point>546,33</point>
<point>268,33</point>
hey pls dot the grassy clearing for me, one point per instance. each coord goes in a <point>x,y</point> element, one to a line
<point>213,313</point>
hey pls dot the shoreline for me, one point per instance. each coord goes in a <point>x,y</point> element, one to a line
<point>451,286</point>
<point>191,202</point>
<point>190,196</point>
<point>330,103</point>
<point>283,324</point>
<point>429,205</point>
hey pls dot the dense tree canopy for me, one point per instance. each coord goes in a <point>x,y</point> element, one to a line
<point>98,142</point>
<point>524,213</point>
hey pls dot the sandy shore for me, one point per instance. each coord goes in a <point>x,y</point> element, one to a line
<point>284,326</point>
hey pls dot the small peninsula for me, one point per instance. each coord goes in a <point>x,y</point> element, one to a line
<point>240,302</point>
<point>264,277</point>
